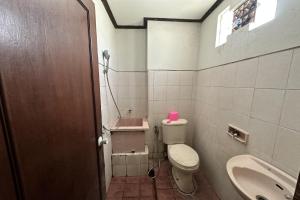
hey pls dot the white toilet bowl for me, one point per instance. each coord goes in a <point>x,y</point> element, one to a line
<point>185,161</point>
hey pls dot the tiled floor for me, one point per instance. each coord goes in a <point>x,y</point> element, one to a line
<point>141,188</point>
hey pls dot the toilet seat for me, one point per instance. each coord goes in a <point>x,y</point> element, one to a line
<point>183,157</point>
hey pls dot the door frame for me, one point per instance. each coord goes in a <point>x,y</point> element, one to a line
<point>90,8</point>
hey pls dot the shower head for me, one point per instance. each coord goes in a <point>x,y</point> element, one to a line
<point>106,55</point>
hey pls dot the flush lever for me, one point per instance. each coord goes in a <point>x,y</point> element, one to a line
<point>101,141</point>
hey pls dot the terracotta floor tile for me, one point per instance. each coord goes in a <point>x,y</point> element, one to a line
<point>146,190</point>
<point>206,194</point>
<point>163,183</point>
<point>173,184</point>
<point>165,163</point>
<point>156,170</point>
<point>163,173</point>
<point>145,180</point>
<point>115,190</point>
<point>205,190</point>
<point>201,180</point>
<point>118,179</point>
<point>167,194</point>
<point>131,190</point>
<point>179,196</point>
<point>147,198</point>
<point>164,170</point>
<point>132,179</point>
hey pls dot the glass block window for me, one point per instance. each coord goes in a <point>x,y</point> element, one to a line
<point>244,14</point>
<point>252,12</point>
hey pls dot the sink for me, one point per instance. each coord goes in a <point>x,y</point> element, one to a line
<point>256,179</point>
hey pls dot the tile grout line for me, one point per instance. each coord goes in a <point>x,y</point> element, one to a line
<point>206,68</point>
<point>281,109</point>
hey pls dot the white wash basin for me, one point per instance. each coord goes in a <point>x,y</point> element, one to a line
<point>256,179</point>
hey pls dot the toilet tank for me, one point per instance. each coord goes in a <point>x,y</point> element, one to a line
<point>174,132</point>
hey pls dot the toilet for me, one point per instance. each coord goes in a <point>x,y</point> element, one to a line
<point>183,158</point>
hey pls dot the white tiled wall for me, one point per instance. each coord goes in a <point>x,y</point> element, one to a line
<point>108,114</point>
<point>130,164</point>
<point>132,93</point>
<point>168,91</point>
<point>105,40</point>
<point>260,95</point>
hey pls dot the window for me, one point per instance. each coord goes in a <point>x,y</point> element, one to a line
<point>252,12</point>
<point>224,27</point>
<point>265,12</point>
<point>244,14</point>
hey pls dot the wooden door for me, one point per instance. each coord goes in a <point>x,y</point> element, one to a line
<point>7,185</point>
<point>50,91</point>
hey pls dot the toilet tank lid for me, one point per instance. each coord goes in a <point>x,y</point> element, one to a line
<point>167,122</point>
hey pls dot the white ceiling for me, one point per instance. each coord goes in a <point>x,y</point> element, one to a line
<point>132,12</point>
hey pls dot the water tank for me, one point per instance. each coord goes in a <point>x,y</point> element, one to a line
<point>174,132</point>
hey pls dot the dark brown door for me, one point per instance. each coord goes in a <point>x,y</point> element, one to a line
<point>7,186</point>
<point>51,96</point>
